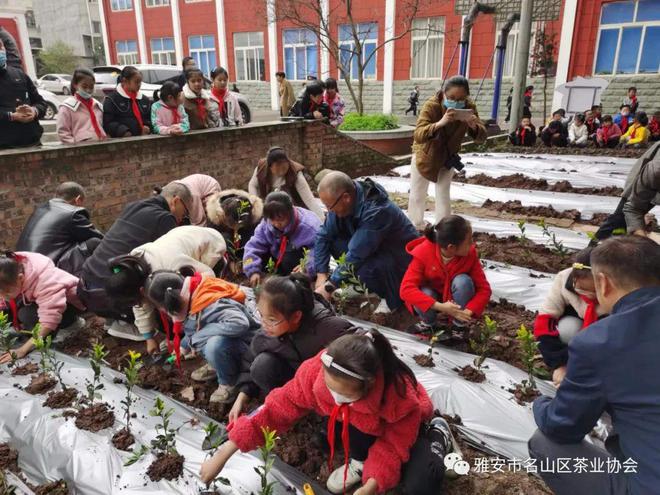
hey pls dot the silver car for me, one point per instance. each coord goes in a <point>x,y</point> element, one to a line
<point>52,103</point>
<point>153,77</point>
<point>55,83</point>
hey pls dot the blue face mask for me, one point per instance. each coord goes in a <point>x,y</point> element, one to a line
<point>83,94</point>
<point>453,104</point>
<point>3,58</point>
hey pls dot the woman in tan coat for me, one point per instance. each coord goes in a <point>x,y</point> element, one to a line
<point>287,96</point>
<point>440,129</point>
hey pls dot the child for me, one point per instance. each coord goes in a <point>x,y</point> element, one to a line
<point>413,99</point>
<point>631,100</point>
<point>281,236</point>
<point>336,104</point>
<point>80,117</point>
<point>214,320</point>
<point>384,418</point>
<point>126,111</point>
<point>592,124</point>
<point>167,113</point>
<point>607,136</point>
<point>296,324</point>
<point>555,133</point>
<point>311,105</point>
<point>569,307</point>
<point>578,134</point>
<point>527,102</point>
<point>597,112</point>
<point>33,290</point>
<point>637,135</point>
<point>524,135</point>
<point>196,101</point>
<point>654,127</point>
<point>277,172</point>
<point>224,104</point>
<point>623,118</point>
<point>445,275</point>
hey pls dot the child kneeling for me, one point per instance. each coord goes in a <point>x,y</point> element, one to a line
<point>445,275</point>
<point>376,409</point>
<point>215,323</point>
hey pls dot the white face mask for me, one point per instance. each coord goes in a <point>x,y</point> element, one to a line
<point>340,399</point>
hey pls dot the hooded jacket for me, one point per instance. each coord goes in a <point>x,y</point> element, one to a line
<point>13,54</point>
<point>642,189</point>
<point>16,88</point>
<point>234,116</point>
<point>428,270</point>
<point>219,220</point>
<point>267,241</point>
<point>163,119</point>
<point>317,329</point>
<point>198,121</point>
<point>394,420</point>
<point>118,117</point>
<point>74,123</point>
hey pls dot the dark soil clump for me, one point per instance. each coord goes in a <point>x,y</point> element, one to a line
<point>166,466</point>
<point>58,487</point>
<point>303,446</point>
<point>512,251</point>
<point>26,369</point>
<point>517,208</point>
<point>41,384</point>
<point>123,439</point>
<point>540,148</point>
<point>8,458</point>
<point>95,418</point>
<point>424,360</point>
<point>524,395</point>
<point>471,374</point>
<point>61,399</point>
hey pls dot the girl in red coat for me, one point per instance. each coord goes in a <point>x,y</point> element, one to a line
<point>445,275</point>
<point>377,411</point>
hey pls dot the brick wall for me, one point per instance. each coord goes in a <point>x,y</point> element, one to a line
<point>123,170</point>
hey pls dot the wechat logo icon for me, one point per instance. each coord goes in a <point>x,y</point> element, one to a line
<point>455,463</point>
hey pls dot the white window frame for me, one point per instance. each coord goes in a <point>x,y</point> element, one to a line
<point>127,58</point>
<point>196,1</point>
<point>292,77</point>
<point>169,54</point>
<point>516,33</point>
<point>254,49</point>
<point>127,5</point>
<point>419,35</point>
<point>204,51</point>
<point>156,3</point>
<point>620,27</point>
<point>350,43</point>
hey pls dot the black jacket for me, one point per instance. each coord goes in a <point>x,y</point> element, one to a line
<point>317,329</point>
<point>118,117</point>
<point>16,88</point>
<point>516,137</point>
<point>302,109</point>
<point>13,55</point>
<point>140,222</point>
<point>54,228</point>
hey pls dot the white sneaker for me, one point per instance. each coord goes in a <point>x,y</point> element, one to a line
<point>335,482</point>
<point>64,333</point>
<point>124,330</point>
<point>382,308</point>
<point>223,395</point>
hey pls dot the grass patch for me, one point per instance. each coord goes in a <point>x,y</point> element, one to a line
<point>372,122</point>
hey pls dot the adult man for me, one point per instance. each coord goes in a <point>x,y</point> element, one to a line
<point>61,229</point>
<point>13,55</point>
<point>187,64</point>
<point>287,95</point>
<point>371,230</point>
<point>612,366</point>
<point>141,222</point>
<point>21,106</point>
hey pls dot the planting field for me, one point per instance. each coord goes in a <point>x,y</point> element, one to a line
<point>64,431</point>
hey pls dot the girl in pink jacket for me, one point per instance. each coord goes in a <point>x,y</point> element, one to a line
<point>168,116</point>
<point>33,290</point>
<point>80,117</point>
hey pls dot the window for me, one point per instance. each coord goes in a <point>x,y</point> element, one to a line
<point>29,19</point>
<point>89,45</point>
<point>512,47</point>
<point>116,5</point>
<point>96,27</point>
<point>162,51</point>
<point>628,37</point>
<point>427,43</point>
<point>157,3</point>
<point>202,49</point>
<point>249,56</point>
<point>195,1</point>
<point>300,54</point>
<point>367,34</point>
<point>127,52</point>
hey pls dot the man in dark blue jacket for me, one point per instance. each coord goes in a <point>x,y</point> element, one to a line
<point>373,232</point>
<point>613,366</point>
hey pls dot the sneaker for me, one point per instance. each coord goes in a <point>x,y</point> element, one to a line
<point>335,482</point>
<point>442,441</point>
<point>124,330</point>
<point>203,374</point>
<point>223,395</point>
<point>382,308</point>
<point>64,333</point>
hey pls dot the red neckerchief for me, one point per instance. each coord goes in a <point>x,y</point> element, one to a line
<point>89,105</point>
<point>177,328</point>
<point>654,126</point>
<point>590,314</point>
<point>14,312</point>
<point>285,238</point>
<point>624,124</point>
<point>176,118</point>
<point>136,108</point>
<point>633,100</point>
<point>201,108</point>
<point>528,93</point>
<point>606,132</point>
<point>312,105</point>
<point>342,409</point>
<point>523,131</point>
<point>330,102</point>
<point>220,94</point>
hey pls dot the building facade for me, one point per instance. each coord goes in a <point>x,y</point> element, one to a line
<point>18,18</point>
<point>611,39</point>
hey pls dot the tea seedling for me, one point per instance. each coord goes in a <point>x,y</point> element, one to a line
<point>48,362</point>
<point>480,346</point>
<point>528,350</point>
<point>557,245</point>
<point>164,441</point>
<point>98,355</point>
<point>131,373</point>
<point>268,458</point>
<point>7,338</point>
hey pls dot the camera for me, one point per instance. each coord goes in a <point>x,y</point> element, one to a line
<point>454,161</point>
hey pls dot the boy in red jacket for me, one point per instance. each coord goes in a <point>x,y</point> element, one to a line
<point>445,275</point>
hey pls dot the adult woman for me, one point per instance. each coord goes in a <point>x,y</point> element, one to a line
<point>440,129</point>
<point>311,105</point>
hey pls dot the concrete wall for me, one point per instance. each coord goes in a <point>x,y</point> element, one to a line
<point>648,92</point>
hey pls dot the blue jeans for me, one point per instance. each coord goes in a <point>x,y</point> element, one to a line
<point>224,355</point>
<point>462,291</point>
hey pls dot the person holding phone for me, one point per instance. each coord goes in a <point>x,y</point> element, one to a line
<point>441,126</point>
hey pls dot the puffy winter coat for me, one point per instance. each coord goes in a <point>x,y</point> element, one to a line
<point>245,222</point>
<point>199,109</point>
<point>636,134</point>
<point>74,122</point>
<point>578,134</point>
<point>118,116</point>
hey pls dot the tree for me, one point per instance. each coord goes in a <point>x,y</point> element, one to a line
<point>58,58</point>
<point>543,62</point>
<point>350,52</point>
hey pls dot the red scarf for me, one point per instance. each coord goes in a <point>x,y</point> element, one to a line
<point>633,102</point>
<point>330,102</point>
<point>14,312</point>
<point>590,314</point>
<point>176,118</point>
<point>220,94</point>
<point>136,109</point>
<point>634,131</point>
<point>606,132</point>
<point>344,410</point>
<point>89,105</point>
<point>624,124</point>
<point>523,132</point>
<point>201,109</point>
<point>285,238</point>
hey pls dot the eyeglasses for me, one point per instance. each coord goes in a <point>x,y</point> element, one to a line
<point>330,208</point>
<point>267,322</point>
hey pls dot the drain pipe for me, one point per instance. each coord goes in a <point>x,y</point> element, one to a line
<point>501,51</point>
<point>467,28</point>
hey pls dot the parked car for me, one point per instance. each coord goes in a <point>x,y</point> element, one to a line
<point>153,77</point>
<point>52,103</point>
<point>55,83</point>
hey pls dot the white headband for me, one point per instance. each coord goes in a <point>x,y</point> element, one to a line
<point>329,362</point>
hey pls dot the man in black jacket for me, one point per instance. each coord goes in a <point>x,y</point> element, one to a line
<point>61,229</point>
<point>13,55</point>
<point>21,106</point>
<point>141,222</point>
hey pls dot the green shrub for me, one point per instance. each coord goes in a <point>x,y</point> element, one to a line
<point>373,122</point>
